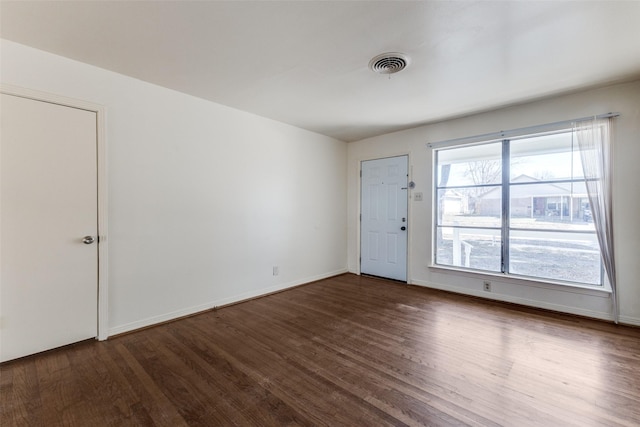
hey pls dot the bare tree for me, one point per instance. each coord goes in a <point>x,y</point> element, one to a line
<point>484,172</point>
<point>481,172</point>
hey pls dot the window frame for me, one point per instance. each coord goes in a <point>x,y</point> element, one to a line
<point>505,221</point>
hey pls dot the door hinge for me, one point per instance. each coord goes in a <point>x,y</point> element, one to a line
<point>360,217</point>
<point>360,173</point>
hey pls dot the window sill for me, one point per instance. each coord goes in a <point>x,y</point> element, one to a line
<point>603,291</point>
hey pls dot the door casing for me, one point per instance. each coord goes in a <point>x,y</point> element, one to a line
<point>406,200</point>
<point>103,243</point>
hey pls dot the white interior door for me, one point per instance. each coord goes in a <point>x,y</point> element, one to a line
<point>383,230</point>
<point>48,281</point>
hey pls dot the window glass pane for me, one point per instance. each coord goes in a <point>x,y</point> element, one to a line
<point>572,257</point>
<point>557,206</point>
<point>544,158</point>
<point>471,207</point>
<point>551,230</point>
<point>472,165</point>
<point>471,248</point>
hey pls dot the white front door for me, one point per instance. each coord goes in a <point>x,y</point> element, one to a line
<point>48,281</point>
<point>383,230</point>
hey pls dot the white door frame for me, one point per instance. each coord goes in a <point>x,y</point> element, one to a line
<point>103,283</point>
<point>409,208</point>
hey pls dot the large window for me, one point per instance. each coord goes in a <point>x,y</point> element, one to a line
<point>517,206</point>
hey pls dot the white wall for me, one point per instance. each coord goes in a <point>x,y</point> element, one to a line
<point>203,199</point>
<point>622,98</point>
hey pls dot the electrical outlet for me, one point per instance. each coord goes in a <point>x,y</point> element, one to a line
<point>487,286</point>
<point>417,197</point>
<point>276,270</point>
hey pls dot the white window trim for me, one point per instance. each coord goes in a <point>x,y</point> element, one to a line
<point>532,131</point>
<point>514,279</point>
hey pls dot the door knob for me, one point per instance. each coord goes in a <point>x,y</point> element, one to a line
<point>403,228</point>
<point>87,240</point>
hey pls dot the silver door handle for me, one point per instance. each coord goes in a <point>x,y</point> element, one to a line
<point>87,240</point>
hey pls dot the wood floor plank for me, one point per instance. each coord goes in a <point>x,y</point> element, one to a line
<point>23,404</point>
<point>235,389</point>
<point>347,375</point>
<point>336,370</point>
<point>345,351</point>
<point>161,409</point>
<point>363,351</point>
<point>296,385</point>
<point>123,404</point>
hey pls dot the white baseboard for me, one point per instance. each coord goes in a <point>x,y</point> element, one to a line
<point>518,300</point>
<point>154,320</point>
<point>628,320</point>
<point>150,321</point>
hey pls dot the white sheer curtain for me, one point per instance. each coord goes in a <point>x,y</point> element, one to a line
<point>595,142</point>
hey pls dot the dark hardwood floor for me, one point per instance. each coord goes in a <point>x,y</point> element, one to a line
<point>346,351</point>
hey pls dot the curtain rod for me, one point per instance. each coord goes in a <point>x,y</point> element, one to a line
<point>516,132</point>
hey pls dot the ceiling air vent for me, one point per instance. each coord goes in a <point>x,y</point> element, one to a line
<point>389,63</point>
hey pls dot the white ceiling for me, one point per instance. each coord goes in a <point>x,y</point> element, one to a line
<point>305,62</point>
